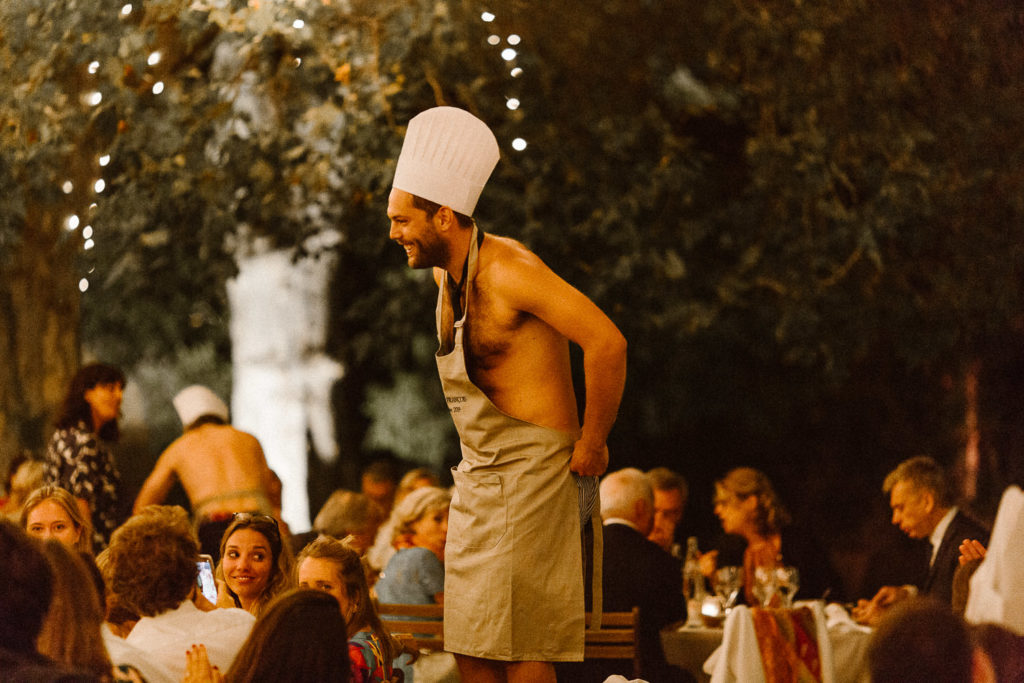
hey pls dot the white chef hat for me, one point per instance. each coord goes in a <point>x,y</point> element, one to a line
<point>447,157</point>
<point>197,401</point>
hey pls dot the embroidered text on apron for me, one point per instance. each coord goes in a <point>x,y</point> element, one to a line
<point>513,583</point>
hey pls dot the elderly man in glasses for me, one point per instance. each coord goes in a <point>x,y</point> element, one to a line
<point>222,469</point>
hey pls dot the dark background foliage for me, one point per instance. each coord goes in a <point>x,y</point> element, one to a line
<point>805,217</point>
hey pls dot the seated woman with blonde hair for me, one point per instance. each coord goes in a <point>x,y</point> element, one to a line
<point>52,512</point>
<point>383,547</point>
<point>334,567</point>
<point>415,574</point>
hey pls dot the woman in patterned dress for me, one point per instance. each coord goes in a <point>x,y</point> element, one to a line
<point>332,566</point>
<point>78,458</point>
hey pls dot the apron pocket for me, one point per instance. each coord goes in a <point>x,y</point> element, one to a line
<point>478,518</point>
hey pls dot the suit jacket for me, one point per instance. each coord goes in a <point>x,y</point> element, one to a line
<point>637,572</point>
<point>938,582</point>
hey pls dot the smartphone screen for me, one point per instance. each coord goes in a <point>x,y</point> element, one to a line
<point>205,579</point>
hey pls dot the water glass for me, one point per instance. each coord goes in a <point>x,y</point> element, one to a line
<point>728,582</point>
<point>765,585</point>
<point>787,582</point>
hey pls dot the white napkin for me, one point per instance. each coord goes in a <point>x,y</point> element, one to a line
<point>997,587</point>
<point>838,620</point>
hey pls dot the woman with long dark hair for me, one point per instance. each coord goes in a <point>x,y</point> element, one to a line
<point>78,457</point>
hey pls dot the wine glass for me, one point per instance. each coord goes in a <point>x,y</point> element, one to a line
<point>764,585</point>
<point>787,581</point>
<point>728,581</point>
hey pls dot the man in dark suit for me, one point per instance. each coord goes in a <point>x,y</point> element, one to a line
<point>922,507</point>
<point>636,572</point>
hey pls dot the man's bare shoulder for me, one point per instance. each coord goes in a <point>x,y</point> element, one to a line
<point>217,436</point>
<point>505,262</point>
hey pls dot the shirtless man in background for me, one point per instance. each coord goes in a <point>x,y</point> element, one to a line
<point>505,321</point>
<point>222,469</point>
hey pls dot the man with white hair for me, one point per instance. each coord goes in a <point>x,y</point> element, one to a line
<point>513,579</point>
<point>222,469</point>
<point>637,572</point>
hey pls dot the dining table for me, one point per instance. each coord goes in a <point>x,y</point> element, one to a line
<point>697,648</point>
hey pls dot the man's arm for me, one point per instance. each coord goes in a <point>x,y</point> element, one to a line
<point>158,484</point>
<point>534,288</point>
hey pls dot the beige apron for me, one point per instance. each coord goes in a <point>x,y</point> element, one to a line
<point>513,585</point>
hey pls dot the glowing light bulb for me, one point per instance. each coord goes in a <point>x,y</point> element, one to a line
<point>89,244</point>
<point>519,144</point>
<point>298,23</point>
<point>68,186</point>
<point>94,98</point>
<point>87,232</point>
<point>516,72</point>
<point>508,54</point>
<point>72,222</point>
<point>487,17</point>
<point>493,39</point>
<point>512,103</point>
<point>126,10</point>
<point>104,160</point>
<point>514,39</point>
<point>158,87</point>
<point>100,185</point>
<point>94,67</point>
<point>83,284</point>
<point>154,58</point>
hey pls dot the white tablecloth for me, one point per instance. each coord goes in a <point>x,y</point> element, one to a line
<point>738,658</point>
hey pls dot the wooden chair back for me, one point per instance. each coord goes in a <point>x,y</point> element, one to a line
<point>420,624</point>
<point>423,625</point>
<point>617,639</point>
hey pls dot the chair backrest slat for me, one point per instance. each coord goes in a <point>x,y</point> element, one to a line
<point>617,638</point>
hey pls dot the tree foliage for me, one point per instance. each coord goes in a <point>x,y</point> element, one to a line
<point>804,216</point>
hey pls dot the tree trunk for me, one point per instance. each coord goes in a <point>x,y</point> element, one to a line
<point>39,319</point>
<point>282,377</point>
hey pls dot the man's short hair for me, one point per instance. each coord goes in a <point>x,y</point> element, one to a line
<point>621,489</point>
<point>25,590</point>
<point>432,208</point>
<point>922,472</point>
<point>921,641</point>
<point>380,470</point>
<point>152,560</point>
<point>664,479</point>
<point>344,513</point>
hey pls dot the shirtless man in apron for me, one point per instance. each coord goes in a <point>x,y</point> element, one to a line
<point>222,469</point>
<point>513,582</point>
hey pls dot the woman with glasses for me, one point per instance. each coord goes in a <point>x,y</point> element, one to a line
<point>255,566</point>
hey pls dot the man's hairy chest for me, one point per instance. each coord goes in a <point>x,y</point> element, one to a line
<point>491,331</point>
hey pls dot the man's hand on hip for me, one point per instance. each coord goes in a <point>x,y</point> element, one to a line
<point>588,461</point>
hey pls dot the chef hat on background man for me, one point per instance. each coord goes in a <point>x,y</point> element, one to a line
<point>447,157</point>
<point>197,401</point>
